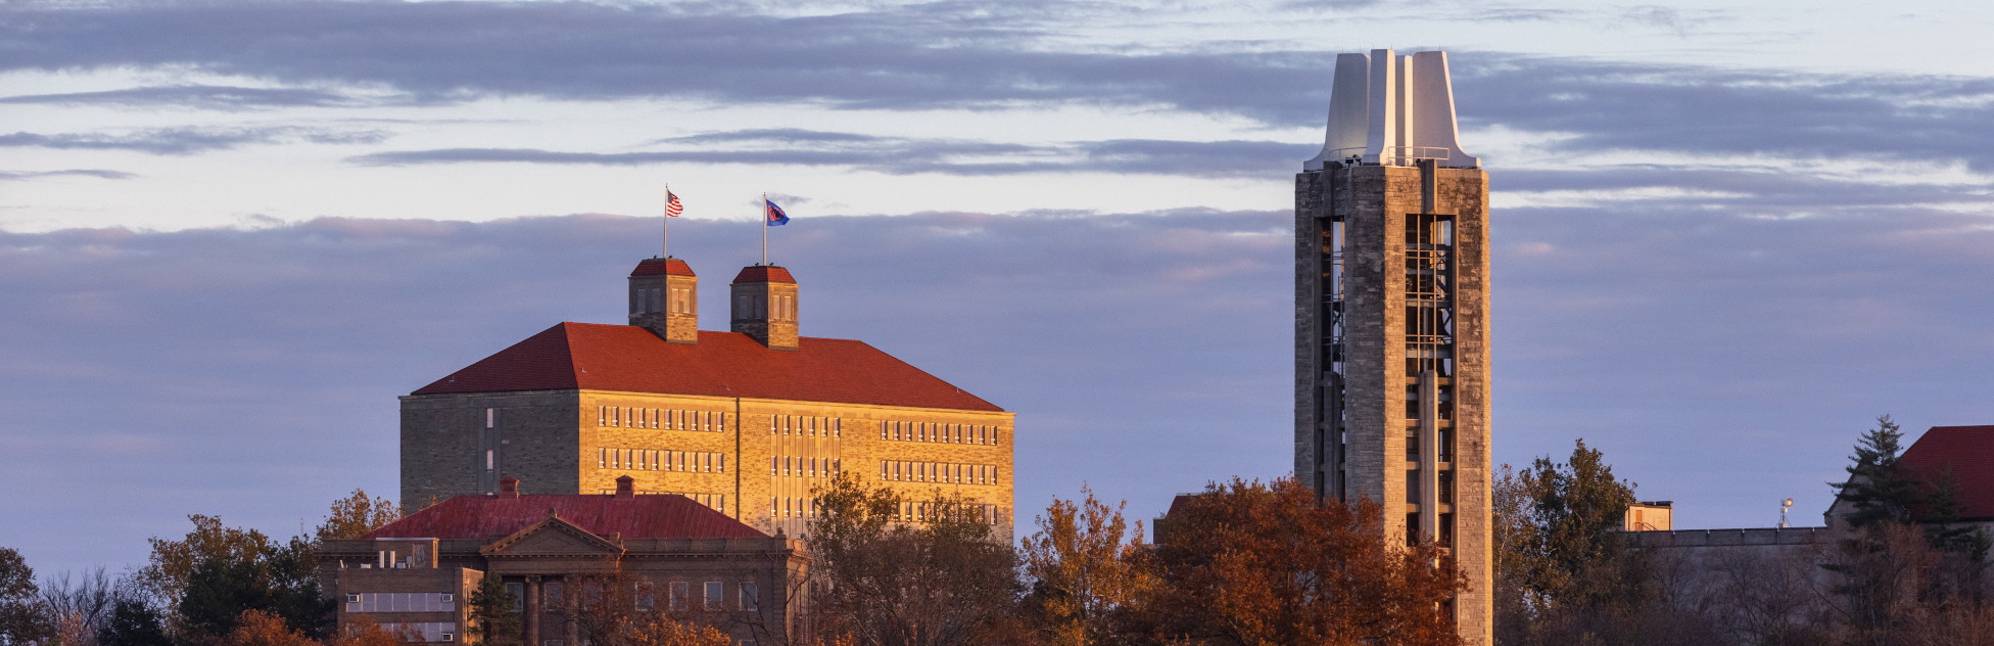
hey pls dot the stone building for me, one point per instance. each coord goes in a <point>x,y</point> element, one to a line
<point>1392,315</point>
<point>748,421</point>
<point>565,559</point>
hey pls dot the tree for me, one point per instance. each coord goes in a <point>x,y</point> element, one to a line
<point>1085,566</point>
<point>21,618</point>
<point>214,573</point>
<point>133,623</point>
<point>495,613</point>
<point>78,605</point>
<point>259,628</point>
<point>658,628</point>
<point>1252,563</point>
<point>356,515</point>
<point>1876,490</point>
<point>937,578</point>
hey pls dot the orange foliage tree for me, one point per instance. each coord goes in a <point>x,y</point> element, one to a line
<point>1252,563</point>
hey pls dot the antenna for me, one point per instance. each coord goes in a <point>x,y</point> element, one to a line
<point>1783,506</point>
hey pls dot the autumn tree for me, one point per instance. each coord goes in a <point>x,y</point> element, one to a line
<point>21,618</point>
<point>1084,566</point>
<point>660,628</point>
<point>260,628</point>
<point>356,515</point>
<point>941,577</point>
<point>1252,563</point>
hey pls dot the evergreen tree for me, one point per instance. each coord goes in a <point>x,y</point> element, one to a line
<point>495,609</point>
<point>1876,490</point>
<point>133,623</point>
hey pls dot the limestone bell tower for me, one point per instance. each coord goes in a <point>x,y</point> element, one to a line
<point>765,305</point>
<point>1392,316</point>
<point>664,298</point>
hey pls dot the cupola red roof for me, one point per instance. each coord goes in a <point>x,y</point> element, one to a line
<point>630,517</point>
<point>662,266</point>
<point>590,356</point>
<point>764,274</point>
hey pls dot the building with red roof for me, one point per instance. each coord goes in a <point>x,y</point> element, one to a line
<point>702,412</point>
<point>567,564</point>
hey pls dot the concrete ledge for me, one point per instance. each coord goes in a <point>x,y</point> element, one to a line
<point>1730,537</point>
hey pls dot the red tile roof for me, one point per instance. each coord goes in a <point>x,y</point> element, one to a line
<point>764,274</point>
<point>493,517</point>
<point>1967,452</point>
<point>657,266</point>
<point>593,356</point>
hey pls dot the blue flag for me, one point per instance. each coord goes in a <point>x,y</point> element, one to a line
<point>772,215</point>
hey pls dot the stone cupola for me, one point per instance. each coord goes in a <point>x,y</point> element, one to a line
<point>765,305</point>
<point>664,298</point>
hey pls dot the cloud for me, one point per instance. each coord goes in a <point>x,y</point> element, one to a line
<point>975,56</point>
<point>213,97</point>
<point>99,173</point>
<point>188,141</point>
<point>900,155</point>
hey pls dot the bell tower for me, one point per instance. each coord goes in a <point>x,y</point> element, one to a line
<point>765,305</point>
<point>1392,316</point>
<point>664,298</point>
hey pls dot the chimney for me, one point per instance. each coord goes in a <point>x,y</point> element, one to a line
<point>664,298</point>
<point>626,487</point>
<point>509,487</point>
<point>765,305</point>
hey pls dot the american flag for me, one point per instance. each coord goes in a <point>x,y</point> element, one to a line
<point>673,207</point>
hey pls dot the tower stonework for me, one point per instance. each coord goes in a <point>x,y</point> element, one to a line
<point>664,298</point>
<point>765,305</point>
<point>1392,317</point>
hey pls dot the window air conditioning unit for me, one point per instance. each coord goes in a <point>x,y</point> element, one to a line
<point>352,597</point>
<point>448,598</point>
<point>449,637</point>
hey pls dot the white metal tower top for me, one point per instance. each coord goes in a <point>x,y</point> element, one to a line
<point>1392,110</point>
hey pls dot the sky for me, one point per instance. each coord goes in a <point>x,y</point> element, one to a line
<point>1727,236</point>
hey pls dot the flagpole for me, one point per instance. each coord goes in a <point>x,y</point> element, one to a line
<point>667,249</point>
<point>765,228</point>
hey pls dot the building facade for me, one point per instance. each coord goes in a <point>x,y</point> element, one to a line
<point>748,422</point>
<point>1392,316</point>
<point>569,564</point>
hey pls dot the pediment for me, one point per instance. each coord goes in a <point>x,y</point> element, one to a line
<point>552,537</point>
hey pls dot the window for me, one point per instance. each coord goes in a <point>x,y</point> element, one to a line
<point>489,418</point>
<point>518,593</point>
<point>750,596</point>
<point>679,591</point>
<point>491,459</point>
<point>551,594</point>
<point>646,598</point>
<point>716,595</point>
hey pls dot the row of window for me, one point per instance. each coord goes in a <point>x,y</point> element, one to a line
<point>801,467</point>
<point>677,593</point>
<point>921,511</point>
<point>671,419</point>
<point>400,602</point>
<point>423,631</point>
<point>947,472</point>
<point>661,460</point>
<point>807,425</point>
<point>947,433</point>
<point>718,501</point>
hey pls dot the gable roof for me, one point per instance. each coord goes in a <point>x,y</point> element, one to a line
<point>593,356</point>
<point>637,517</point>
<point>1966,453</point>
